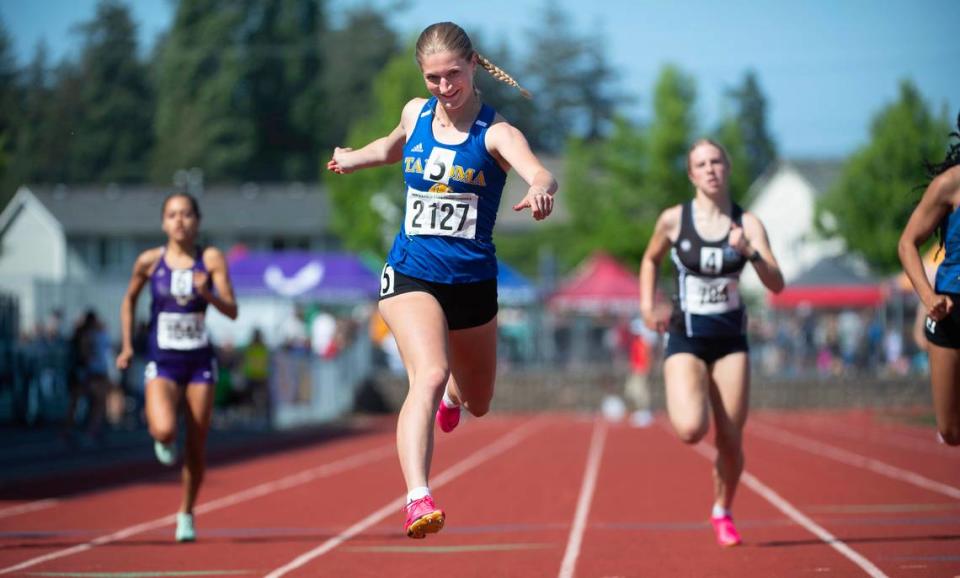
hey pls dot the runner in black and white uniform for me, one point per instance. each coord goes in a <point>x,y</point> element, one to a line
<point>706,366</point>
<point>709,319</point>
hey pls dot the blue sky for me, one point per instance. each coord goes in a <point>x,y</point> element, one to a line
<point>826,66</point>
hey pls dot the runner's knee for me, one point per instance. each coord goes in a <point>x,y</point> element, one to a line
<point>690,433</point>
<point>432,379</point>
<point>163,433</point>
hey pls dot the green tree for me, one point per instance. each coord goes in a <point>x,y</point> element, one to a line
<point>878,188</point>
<point>115,99</point>
<point>281,42</point>
<point>615,187</point>
<point>367,203</point>
<point>603,191</point>
<point>354,55</point>
<point>239,90</point>
<point>669,137</point>
<point>10,100</point>
<point>750,106</point>
<point>204,116</point>
<point>571,79</point>
<point>46,131</point>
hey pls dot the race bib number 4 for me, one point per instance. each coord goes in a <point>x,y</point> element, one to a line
<point>706,296</point>
<point>181,331</point>
<point>444,214</point>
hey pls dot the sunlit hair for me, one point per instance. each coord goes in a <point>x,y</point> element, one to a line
<point>448,37</point>
<point>193,203</point>
<point>714,144</point>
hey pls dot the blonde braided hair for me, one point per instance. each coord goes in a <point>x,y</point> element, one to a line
<point>501,75</point>
<point>447,36</point>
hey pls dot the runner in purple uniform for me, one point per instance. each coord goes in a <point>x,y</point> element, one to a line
<point>184,278</point>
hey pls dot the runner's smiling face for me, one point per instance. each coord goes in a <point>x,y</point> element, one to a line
<point>449,78</point>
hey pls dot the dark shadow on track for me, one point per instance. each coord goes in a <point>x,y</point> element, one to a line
<point>856,540</point>
<point>58,475</point>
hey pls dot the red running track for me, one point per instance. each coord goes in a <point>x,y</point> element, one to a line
<point>827,493</point>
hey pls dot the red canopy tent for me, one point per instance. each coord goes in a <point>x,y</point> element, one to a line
<point>833,283</point>
<point>599,284</point>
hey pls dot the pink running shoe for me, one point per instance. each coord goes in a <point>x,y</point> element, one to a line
<point>423,517</point>
<point>448,417</point>
<point>726,532</point>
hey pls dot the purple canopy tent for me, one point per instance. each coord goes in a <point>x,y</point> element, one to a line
<point>303,275</point>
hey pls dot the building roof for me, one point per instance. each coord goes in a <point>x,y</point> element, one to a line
<point>288,209</point>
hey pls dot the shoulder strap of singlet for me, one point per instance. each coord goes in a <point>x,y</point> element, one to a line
<point>686,218</point>
<point>427,108</point>
<point>486,117</point>
<point>198,256</point>
<point>736,214</point>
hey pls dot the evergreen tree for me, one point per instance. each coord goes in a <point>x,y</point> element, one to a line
<point>47,125</point>
<point>572,82</point>
<point>282,45</point>
<point>240,90</point>
<point>669,137</point>
<point>204,116</point>
<point>750,106</point>
<point>115,100</point>
<point>354,55</point>
<point>10,102</point>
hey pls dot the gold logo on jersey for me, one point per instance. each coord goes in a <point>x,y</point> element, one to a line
<point>440,188</point>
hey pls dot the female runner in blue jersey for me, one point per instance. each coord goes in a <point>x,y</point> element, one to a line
<point>184,278</point>
<point>438,290</point>
<point>706,364</point>
<point>938,208</point>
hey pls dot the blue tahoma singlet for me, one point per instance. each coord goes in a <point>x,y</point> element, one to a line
<point>453,193</point>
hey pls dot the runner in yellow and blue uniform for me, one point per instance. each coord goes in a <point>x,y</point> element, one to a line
<point>438,290</point>
<point>706,364</point>
<point>940,207</point>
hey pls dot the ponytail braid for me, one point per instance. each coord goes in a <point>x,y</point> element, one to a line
<point>501,75</point>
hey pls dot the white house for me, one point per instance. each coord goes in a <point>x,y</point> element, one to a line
<point>784,198</point>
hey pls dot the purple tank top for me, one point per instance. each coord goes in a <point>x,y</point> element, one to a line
<point>178,330</point>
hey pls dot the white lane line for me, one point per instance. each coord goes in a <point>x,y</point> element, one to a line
<point>853,459</point>
<point>886,437</point>
<point>583,502</point>
<point>797,516</point>
<point>263,489</point>
<point>505,442</point>
<point>29,507</point>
